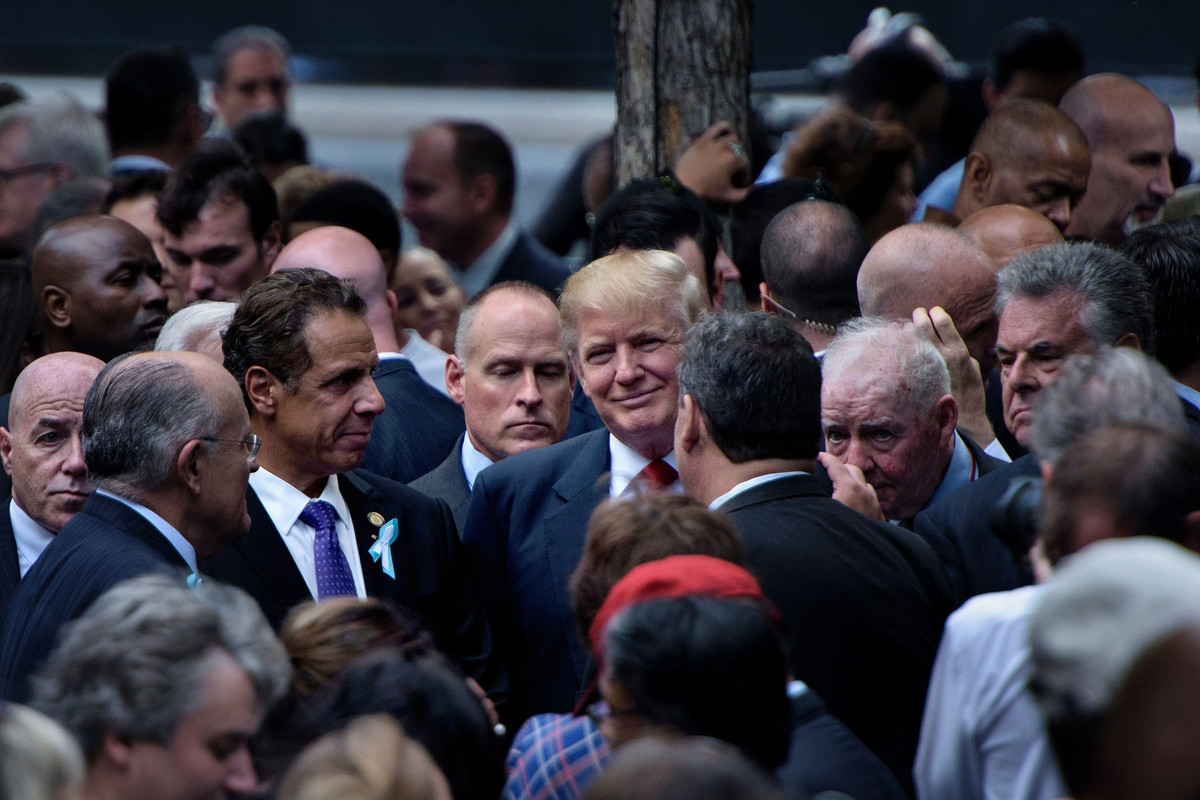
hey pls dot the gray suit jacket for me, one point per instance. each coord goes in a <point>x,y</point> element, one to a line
<point>447,482</point>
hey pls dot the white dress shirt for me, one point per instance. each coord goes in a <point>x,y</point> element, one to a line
<point>284,504</point>
<point>749,484</point>
<point>625,464</point>
<point>32,537</point>
<point>473,461</point>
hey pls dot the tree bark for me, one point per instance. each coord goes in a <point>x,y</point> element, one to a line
<point>681,66</point>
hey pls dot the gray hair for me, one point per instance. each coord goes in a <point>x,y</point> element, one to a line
<point>38,759</point>
<point>133,664</point>
<point>1116,293</point>
<point>196,326</point>
<point>138,414</point>
<point>61,131</point>
<point>1117,385</point>
<point>247,37</point>
<point>922,376</point>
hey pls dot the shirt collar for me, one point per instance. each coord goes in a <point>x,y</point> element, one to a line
<point>625,464</point>
<point>962,470</point>
<point>181,545</point>
<point>478,275</point>
<point>31,536</point>
<point>284,502</point>
<point>473,461</point>
<point>746,485</point>
<point>1187,393</point>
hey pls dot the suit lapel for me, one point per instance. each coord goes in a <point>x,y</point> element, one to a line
<point>264,550</point>
<point>357,495</point>
<point>580,489</point>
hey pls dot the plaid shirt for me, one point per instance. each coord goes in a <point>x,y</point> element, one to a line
<point>554,757</point>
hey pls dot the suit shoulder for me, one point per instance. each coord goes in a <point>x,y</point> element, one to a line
<point>537,465</point>
<point>392,492</point>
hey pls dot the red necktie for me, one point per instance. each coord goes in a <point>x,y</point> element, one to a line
<point>659,474</point>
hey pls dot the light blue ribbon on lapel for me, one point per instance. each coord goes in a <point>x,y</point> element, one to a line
<point>382,549</point>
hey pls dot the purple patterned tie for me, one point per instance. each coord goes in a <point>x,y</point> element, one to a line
<point>333,570</point>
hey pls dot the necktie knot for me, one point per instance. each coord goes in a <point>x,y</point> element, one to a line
<point>334,577</point>
<point>659,474</point>
<point>319,514</point>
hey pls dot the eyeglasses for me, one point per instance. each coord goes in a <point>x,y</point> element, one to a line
<point>7,176</point>
<point>250,444</point>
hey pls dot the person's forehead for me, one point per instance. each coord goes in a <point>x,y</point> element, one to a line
<point>14,145</point>
<point>624,321</point>
<point>1056,317</point>
<point>506,318</point>
<point>220,218</point>
<point>255,61</point>
<point>432,151</point>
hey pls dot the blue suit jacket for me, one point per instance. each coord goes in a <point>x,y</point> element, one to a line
<point>524,536</point>
<point>431,577</point>
<point>448,482</point>
<point>416,430</point>
<point>530,261</point>
<point>105,543</point>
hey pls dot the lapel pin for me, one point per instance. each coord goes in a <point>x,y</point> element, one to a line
<point>375,518</point>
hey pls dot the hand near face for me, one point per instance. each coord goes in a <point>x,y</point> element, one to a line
<point>966,383</point>
<point>850,488</point>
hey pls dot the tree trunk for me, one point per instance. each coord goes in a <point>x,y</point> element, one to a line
<point>681,66</point>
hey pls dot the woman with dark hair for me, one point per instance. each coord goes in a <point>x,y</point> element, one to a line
<point>698,666</point>
<point>869,165</point>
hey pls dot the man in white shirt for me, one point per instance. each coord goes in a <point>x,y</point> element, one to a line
<point>300,346</point>
<point>511,376</point>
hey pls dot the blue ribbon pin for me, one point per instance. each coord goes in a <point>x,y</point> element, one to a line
<point>382,549</point>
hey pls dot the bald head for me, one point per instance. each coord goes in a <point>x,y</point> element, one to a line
<point>925,265</point>
<point>41,448</point>
<point>811,253</point>
<point>1029,153</point>
<point>98,285</point>
<point>348,255</point>
<point>1005,232</point>
<point>1131,134</point>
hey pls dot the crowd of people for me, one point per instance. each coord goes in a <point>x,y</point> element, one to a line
<point>798,486</point>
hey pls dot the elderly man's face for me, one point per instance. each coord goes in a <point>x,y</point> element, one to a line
<point>627,364</point>
<point>1034,339</point>
<point>324,427</point>
<point>902,451</point>
<point>23,186</point>
<point>516,386</point>
<point>43,452</point>
<point>208,755</point>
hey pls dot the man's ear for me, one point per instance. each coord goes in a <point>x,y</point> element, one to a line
<point>262,388</point>
<point>117,750</point>
<point>689,423</point>
<point>1129,340</point>
<point>977,176</point>
<point>454,377</point>
<point>6,443</point>
<point>390,298</point>
<point>946,413</point>
<point>481,193</point>
<point>56,306</point>
<point>271,243</point>
<point>991,94</point>
<point>189,465</point>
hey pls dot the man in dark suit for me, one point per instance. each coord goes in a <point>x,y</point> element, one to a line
<point>43,455</point>
<point>171,488</point>
<point>623,319</point>
<point>512,378</point>
<point>418,426</point>
<point>302,351</point>
<point>862,602</point>
<point>887,411</point>
<point>1168,254</point>
<point>459,182</point>
<point>1054,302</point>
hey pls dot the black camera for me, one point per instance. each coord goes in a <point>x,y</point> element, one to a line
<point>1014,517</point>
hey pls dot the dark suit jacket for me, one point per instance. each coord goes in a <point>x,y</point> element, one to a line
<point>105,543</point>
<point>584,416</point>
<point>958,530</point>
<point>431,577</point>
<point>863,604</point>
<point>524,536</point>
<point>448,482</point>
<point>10,566</point>
<point>530,261</point>
<point>416,430</point>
